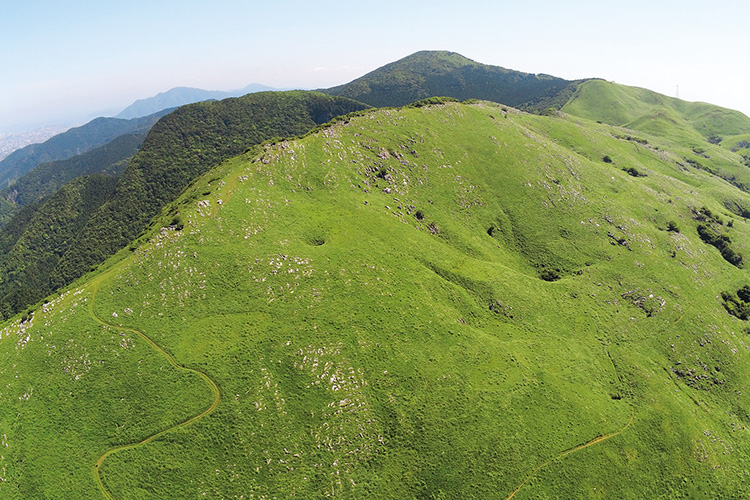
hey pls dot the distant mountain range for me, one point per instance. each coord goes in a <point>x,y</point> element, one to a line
<point>73,142</point>
<point>180,96</point>
<point>10,142</point>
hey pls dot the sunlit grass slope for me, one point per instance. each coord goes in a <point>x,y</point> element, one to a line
<point>647,111</point>
<point>444,301</point>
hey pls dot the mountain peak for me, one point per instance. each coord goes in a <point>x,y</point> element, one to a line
<point>430,73</point>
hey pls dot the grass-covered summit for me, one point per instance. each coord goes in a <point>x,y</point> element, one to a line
<point>446,301</point>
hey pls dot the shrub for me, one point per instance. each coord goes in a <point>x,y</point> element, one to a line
<point>632,171</point>
<point>722,243</point>
<point>549,274</point>
<point>177,223</point>
<point>738,305</point>
<point>432,101</point>
<point>744,293</point>
<point>607,159</point>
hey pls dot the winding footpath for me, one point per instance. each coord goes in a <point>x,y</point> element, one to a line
<point>594,441</point>
<point>174,363</point>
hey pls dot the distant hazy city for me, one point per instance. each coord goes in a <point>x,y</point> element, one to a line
<point>11,142</point>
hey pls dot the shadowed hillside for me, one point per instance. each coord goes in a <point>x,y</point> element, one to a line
<point>47,178</point>
<point>30,255</point>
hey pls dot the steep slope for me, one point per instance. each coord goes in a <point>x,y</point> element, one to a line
<point>454,301</point>
<point>47,178</point>
<point>441,73</point>
<point>182,146</point>
<point>30,257</point>
<point>45,210</point>
<point>179,96</point>
<point>74,142</point>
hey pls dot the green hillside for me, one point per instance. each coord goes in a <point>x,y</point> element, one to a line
<point>441,301</point>
<point>29,256</point>
<point>647,111</point>
<point>440,73</point>
<point>44,211</point>
<point>182,146</point>
<point>179,148</point>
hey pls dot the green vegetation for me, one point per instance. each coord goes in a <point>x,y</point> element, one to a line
<point>32,252</point>
<point>738,304</point>
<point>722,243</point>
<point>48,216</point>
<point>182,146</point>
<point>444,301</point>
<point>74,142</point>
<point>689,130</point>
<point>179,148</point>
<point>48,178</point>
<point>646,111</point>
<point>428,74</point>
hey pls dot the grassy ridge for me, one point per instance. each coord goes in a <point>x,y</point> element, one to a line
<point>650,112</point>
<point>425,302</point>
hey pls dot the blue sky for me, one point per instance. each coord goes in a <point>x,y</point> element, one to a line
<point>75,59</point>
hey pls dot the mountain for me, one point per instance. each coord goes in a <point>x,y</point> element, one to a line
<point>443,300</point>
<point>45,210</point>
<point>47,178</point>
<point>441,73</point>
<point>10,142</point>
<point>183,145</point>
<point>73,142</point>
<point>447,300</point>
<point>180,96</point>
<point>695,124</point>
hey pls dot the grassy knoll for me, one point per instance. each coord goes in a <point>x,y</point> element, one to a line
<point>446,301</point>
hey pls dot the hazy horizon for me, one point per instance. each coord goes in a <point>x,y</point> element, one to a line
<point>81,59</point>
